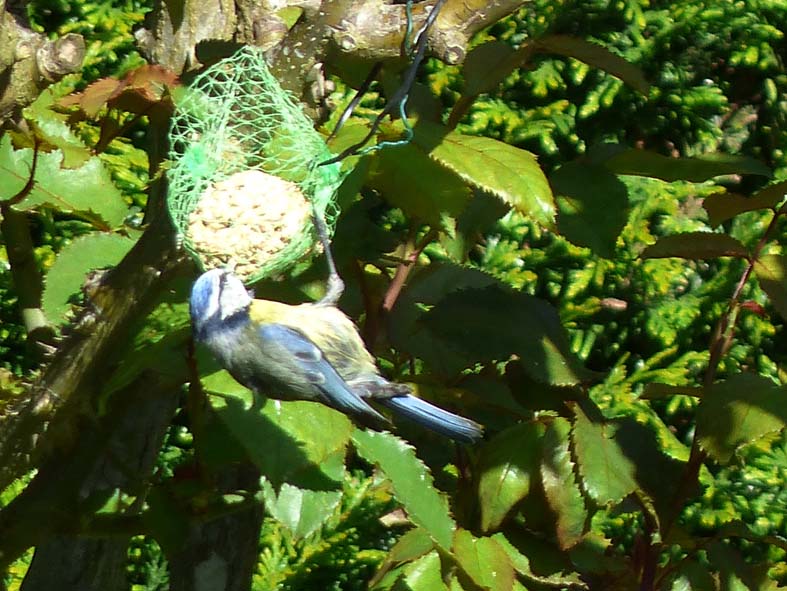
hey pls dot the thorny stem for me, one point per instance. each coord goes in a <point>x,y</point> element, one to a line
<point>403,271</point>
<point>720,344</point>
<point>373,315</point>
<point>25,272</point>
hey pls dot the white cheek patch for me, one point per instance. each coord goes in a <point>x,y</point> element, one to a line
<point>233,299</point>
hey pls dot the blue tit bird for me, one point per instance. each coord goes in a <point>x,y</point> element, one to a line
<point>305,352</point>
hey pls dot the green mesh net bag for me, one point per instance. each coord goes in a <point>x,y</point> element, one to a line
<point>245,178</point>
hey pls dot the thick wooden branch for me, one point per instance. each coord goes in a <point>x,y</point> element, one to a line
<point>362,29</point>
<point>29,62</point>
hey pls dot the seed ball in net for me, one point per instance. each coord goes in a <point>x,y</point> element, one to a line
<point>245,220</point>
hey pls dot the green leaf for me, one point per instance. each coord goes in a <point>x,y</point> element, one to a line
<point>407,332</point>
<point>696,170</point>
<point>408,179</point>
<point>424,574</point>
<point>695,245</point>
<point>560,484</point>
<point>67,275</point>
<point>771,272</point>
<point>299,442</point>
<point>166,519</point>
<point>738,411</point>
<point>510,173</point>
<point>521,564</point>
<point>484,560</point>
<point>493,323</point>
<point>507,466</point>
<point>87,190</point>
<point>607,474</point>
<point>690,575</point>
<point>411,480</point>
<point>592,205</point>
<point>302,511</point>
<point>485,67</point>
<point>723,206</point>
<point>51,127</point>
<point>413,544</point>
<point>597,56</point>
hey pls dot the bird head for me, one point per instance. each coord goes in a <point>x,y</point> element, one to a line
<point>216,297</point>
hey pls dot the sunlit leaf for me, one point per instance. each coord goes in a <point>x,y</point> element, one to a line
<point>53,129</point>
<point>87,190</point>
<point>510,173</point>
<point>412,483</point>
<point>67,275</point>
<point>484,560</point>
<point>424,574</point>
<point>302,511</point>
<point>410,546</point>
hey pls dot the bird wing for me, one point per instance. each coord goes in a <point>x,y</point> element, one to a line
<point>313,365</point>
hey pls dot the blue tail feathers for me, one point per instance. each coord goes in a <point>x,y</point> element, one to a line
<point>438,420</point>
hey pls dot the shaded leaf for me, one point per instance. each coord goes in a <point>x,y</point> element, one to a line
<point>723,206</point>
<point>412,483</point>
<point>521,564</point>
<point>607,474</point>
<point>690,575</point>
<point>658,475</point>
<point>507,466</point>
<point>302,511</point>
<point>592,206</point>
<point>656,390</point>
<point>407,178</point>
<point>485,67</point>
<point>166,519</point>
<point>771,272</point>
<point>484,560</point>
<point>87,190</point>
<point>428,287</point>
<point>510,173</point>
<point>695,245</point>
<point>298,442</point>
<point>697,170</point>
<point>560,484</point>
<point>597,56</point>
<point>494,323</point>
<point>738,411</point>
<point>80,256</point>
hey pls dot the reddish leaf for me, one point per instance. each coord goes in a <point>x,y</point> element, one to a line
<point>723,206</point>
<point>597,56</point>
<point>695,245</point>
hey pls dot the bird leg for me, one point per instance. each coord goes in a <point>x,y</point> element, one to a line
<point>335,283</point>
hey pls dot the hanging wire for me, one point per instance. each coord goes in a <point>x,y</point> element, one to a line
<point>397,102</point>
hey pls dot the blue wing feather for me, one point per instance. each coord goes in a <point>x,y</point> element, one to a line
<point>312,364</point>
